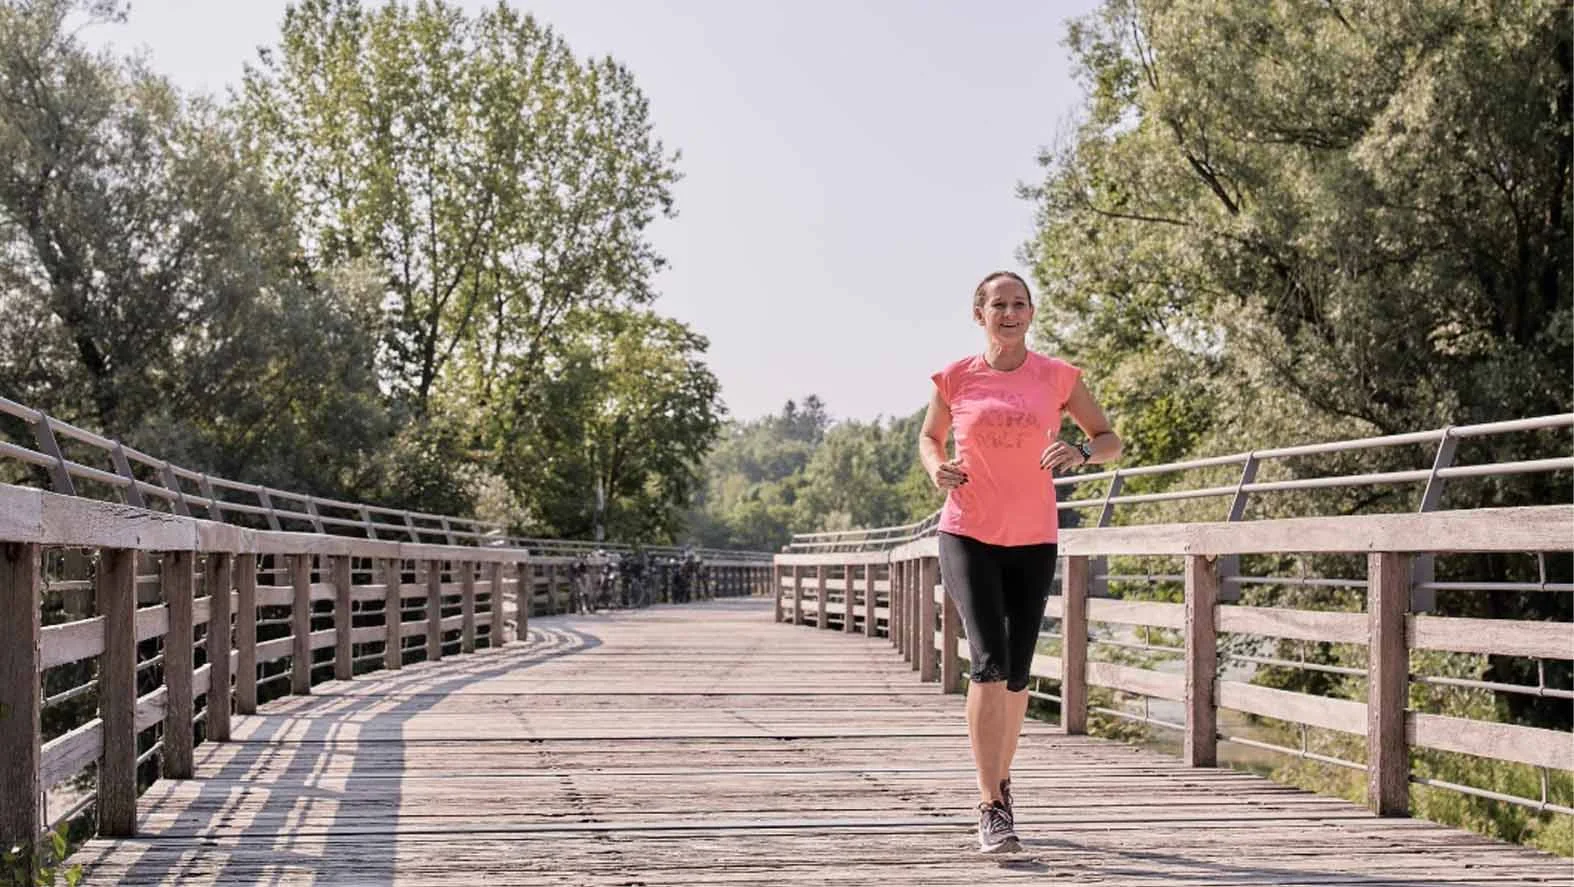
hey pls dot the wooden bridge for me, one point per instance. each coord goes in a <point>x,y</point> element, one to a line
<point>704,743</point>
<point>419,712</point>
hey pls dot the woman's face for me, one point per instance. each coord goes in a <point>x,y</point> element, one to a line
<point>1006,312</point>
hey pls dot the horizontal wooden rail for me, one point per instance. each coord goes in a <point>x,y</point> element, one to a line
<point>894,593</point>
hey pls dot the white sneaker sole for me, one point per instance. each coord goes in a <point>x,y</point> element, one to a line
<point>1009,845</point>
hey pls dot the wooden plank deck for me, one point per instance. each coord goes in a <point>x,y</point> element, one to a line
<point>705,745</point>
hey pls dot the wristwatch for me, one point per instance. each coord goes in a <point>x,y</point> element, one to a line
<point>1086,449</point>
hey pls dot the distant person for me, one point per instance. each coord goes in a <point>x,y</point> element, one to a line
<point>579,574</point>
<point>999,526</point>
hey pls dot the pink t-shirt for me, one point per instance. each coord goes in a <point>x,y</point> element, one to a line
<point>1003,421</point>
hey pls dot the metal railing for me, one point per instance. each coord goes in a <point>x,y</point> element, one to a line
<point>145,481</point>
<point>1238,493</point>
<point>1218,645</point>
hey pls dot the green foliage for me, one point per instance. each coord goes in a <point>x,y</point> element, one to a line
<point>415,237</point>
<point>20,869</point>
<point>1356,214</point>
<point>611,443</point>
<point>501,184</point>
<point>1282,222</point>
<point>149,280</point>
<point>798,472</point>
<point>753,477</point>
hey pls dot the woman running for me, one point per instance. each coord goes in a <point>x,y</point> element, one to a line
<point>999,525</point>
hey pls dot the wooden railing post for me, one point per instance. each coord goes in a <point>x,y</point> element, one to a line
<point>494,597</point>
<point>434,610</point>
<point>115,588</point>
<point>21,707</point>
<point>893,625</point>
<point>1074,647</point>
<point>1388,662</point>
<point>871,628</point>
<point>776,591</point>
<point>245,634</point>
<point>523,598</point>
<point>343,625</point>
<point>849,598</point>
<point>910,617</point>
<point>1202,659</point>
<point>391,574</point>
<point>219,579</point>
<point>914,610</point>
<point>301,624</point>
<point>928,576</point>
<point>176,578</point>
<point>909,587</point>
<point>950,633</point>
<point>797,594</point>
<point>822,605</point>
<point>466,606</point>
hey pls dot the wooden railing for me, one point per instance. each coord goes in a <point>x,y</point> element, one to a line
<point>897,594</point>
<point>1256,474</point>
<point>67,454</point>
<point>271,607</point>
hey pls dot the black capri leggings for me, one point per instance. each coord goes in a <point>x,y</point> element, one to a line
<point>1000,592</point>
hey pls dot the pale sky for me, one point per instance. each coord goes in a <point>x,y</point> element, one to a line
<point>849,166</point>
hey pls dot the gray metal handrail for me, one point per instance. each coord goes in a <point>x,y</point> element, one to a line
<point>1442,469</point>
<point>170,487</point>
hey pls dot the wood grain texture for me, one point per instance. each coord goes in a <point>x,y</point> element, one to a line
<point>219,578</point>
<point>1303,625</point>
<point>388,576</point>
<point>1501,637</point>
<point>21,707</point>
<point>344,645</point>
<point>300,624</point>
<point>1202,661</point>
<point>1504,742</point>
<point>71,642</point>
<point>434,608</point>
<point>246,634</point>
<point>1074,646</point>
<point>702,745</point>
<point>1388,682</point>
<point>176,580</point>
<point>116,597</point>
<point>928,584</point>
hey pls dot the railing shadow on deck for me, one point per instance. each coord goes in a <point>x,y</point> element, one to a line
<point>415,591</point>
<point>426,685</point>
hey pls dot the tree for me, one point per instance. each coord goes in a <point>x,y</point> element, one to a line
<point>149,280</point>
<point>797,472</point>
<point>867,475</point>
<point>753,476</point>
<point>1281,222</point>
<point>500,183</point>
<point>611,443</point>
<point>1356,212</point>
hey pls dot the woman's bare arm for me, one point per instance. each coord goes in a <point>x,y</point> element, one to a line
<point>931,445</point>
<point>1103,443</point>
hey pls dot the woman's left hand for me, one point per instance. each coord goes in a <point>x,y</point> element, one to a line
<point>1060,455</point>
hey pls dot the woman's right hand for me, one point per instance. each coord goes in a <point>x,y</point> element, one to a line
<point>949,475</point>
